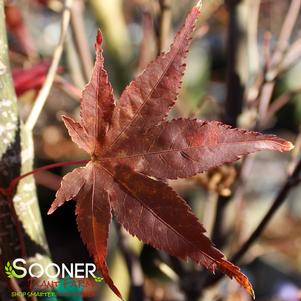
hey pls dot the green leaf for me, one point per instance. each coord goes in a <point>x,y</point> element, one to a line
<point>9,274</point>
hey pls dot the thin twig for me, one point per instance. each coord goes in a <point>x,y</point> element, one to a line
<point>146,53</point>
<point>208,9</point>
<point>165,24</point>
<point>78,29</point>
<point>267,49</point>
<point>286,31</point>
<point>73,91</point>
<point>10,190</point>
<point>277,57</point>
<point>278,104</point>
<point>73,62</point>
<point>292,55</point>
<point>292,181</point>
<point>209,212</point>
<point>48,180</point>
<point>252,35</point>
<point>296,152</point>
<point>45,90</point>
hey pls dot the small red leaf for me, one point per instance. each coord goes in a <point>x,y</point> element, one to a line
<point>30,78</point>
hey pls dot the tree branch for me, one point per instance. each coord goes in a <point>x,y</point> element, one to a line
<point>235,86</point>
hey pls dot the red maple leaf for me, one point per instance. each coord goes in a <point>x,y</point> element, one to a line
<point>132,147</point>
<point>31,78</point>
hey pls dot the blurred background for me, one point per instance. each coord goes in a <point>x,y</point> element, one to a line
<point>244,68</point>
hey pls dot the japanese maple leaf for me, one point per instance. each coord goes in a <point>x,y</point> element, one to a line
<point>133,147</point>
<point>30,78</point>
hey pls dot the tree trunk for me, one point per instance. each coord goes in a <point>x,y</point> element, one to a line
<point>21,228</point>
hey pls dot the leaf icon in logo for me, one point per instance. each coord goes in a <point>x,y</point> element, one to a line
<point>98,279</point>
<point>10,271</point>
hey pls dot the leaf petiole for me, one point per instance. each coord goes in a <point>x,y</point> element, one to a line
<point>11,188</point>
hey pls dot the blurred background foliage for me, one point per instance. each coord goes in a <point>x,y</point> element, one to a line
<point>135,31</point>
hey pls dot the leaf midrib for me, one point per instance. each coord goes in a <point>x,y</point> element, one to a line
<point>159,218</point>
<point>188,148</point>
<point>150,94</point>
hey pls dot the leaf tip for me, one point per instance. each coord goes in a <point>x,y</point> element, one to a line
<point>199,5</point>
<point>250,291</point>
<point>64,117</point>
<point>247,285</point>
<point>286,146</point>
<point>234,272</point>
<point>279,144</point>
<point>289,146</point>
<point>98,38</point>
<point>50,211</point>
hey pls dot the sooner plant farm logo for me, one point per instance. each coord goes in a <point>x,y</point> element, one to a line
<point>60,278</point>
<point>52,270</point>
